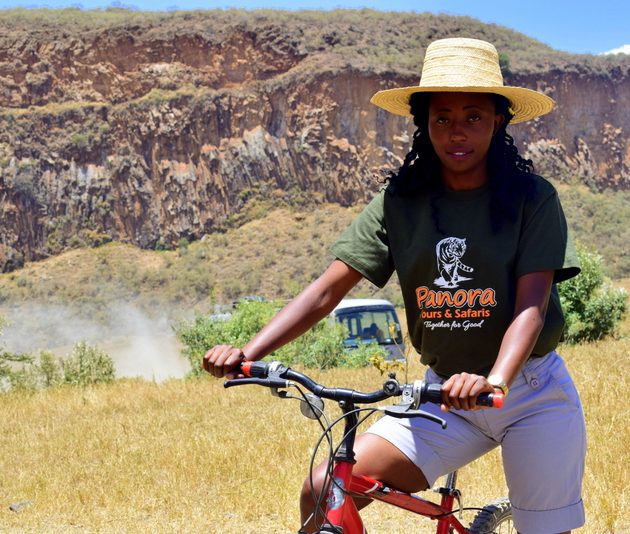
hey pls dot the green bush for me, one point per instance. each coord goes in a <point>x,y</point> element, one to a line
<point>321,347</point>
<point>87,365</point>
<point>365,354</point>
<point>593,307</point>
<point>16,372</point>
<point>84,365</point>
<point>504,64</point>
<point>49,370</point>
<point>25,372</point>
<point>205,332</point>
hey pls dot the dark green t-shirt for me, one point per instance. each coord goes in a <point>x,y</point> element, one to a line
<point>458,275</point>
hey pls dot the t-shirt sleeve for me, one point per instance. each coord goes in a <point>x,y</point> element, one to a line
<point>364,245</point>
<point>546,243</point>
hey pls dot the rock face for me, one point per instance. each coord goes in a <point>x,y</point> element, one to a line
<point>154,132</point>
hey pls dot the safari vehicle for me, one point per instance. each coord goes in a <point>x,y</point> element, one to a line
<point>371,321</point>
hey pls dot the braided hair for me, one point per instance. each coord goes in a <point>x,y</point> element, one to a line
<point>420,171</point>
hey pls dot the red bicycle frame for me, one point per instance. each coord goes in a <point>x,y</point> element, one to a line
<point>340,510</point>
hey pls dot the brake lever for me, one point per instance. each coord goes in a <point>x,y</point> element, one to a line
<point>404,411</point>
<point>269,382</point>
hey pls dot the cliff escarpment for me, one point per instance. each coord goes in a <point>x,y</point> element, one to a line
<point>151,128</point>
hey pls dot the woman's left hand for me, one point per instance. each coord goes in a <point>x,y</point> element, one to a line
<point>460,391</point>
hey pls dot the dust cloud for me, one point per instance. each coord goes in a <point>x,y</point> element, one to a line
<point>140,345</point>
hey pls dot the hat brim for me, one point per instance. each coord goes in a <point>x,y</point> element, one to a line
<point>525,103</point>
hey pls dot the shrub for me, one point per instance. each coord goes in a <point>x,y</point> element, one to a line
<point>504,64</point>
<point>84,365</point>
<point>366,354</point>
<point>322,347</point>
<point>207,331</point>
<point>16,372</point>
<point>80,140</point>
<point>593,307</point>
<point>87,365</point>
<point>49,370</point>
<point>93,238</point>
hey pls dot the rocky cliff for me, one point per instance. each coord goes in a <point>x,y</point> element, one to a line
<point>151,128</point>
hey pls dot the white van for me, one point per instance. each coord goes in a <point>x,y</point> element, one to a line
<point>371,321</point>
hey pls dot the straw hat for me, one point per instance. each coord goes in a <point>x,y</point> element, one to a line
<point>465,65</point>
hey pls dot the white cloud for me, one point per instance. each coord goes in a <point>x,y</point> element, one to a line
<point>625,49</point>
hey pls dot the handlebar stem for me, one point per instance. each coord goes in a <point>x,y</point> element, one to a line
<point>345,452</point>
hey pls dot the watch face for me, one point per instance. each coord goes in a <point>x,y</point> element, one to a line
<point>497,381</point>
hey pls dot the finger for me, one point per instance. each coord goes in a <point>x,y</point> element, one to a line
<point>446,390</point>
<point>473,386</point>
<point>221,365</point>
<point>455,390</point>
<point>465,400</point>
<point>205,361</point>
<point>208,358</point>
<point>215,359</point>
<point>228,360</point>
<point>231,366</point>
<point>481,386</point>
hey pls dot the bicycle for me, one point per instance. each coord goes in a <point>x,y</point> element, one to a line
<point>339,514</point>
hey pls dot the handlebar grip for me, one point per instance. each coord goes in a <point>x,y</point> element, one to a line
<point>433,393</point>
<point>254,369</point>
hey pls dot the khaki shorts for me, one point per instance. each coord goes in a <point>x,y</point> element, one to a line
<point>542,436</point>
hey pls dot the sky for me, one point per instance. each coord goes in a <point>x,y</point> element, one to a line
<point>577,26</point>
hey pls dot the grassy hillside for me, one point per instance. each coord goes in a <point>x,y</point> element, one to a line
<point>127,300</point>
<point>117,294</point>
<point>374,39</point>
<point>181,457</point>
<point>601,221</point>
<point>273,255</point>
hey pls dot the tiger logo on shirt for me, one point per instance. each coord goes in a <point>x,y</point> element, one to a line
<point>449,252</point>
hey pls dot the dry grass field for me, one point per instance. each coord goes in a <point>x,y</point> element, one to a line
<point>189,456</point>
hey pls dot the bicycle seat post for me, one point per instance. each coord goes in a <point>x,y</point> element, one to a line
<point>450,493</point>
<point>451,480</point>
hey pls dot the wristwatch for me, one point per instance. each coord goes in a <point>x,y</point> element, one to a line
<point>498,382</point>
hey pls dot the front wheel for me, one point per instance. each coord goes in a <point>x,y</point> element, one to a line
<point>494,518</point>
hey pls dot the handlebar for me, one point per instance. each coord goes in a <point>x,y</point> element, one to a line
<point>276,375</point>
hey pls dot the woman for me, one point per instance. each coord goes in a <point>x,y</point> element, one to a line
<point>478,242</point>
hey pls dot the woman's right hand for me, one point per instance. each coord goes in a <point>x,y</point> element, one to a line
<point>222,360</point>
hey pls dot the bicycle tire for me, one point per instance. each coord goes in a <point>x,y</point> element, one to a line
<point>494,518</point>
